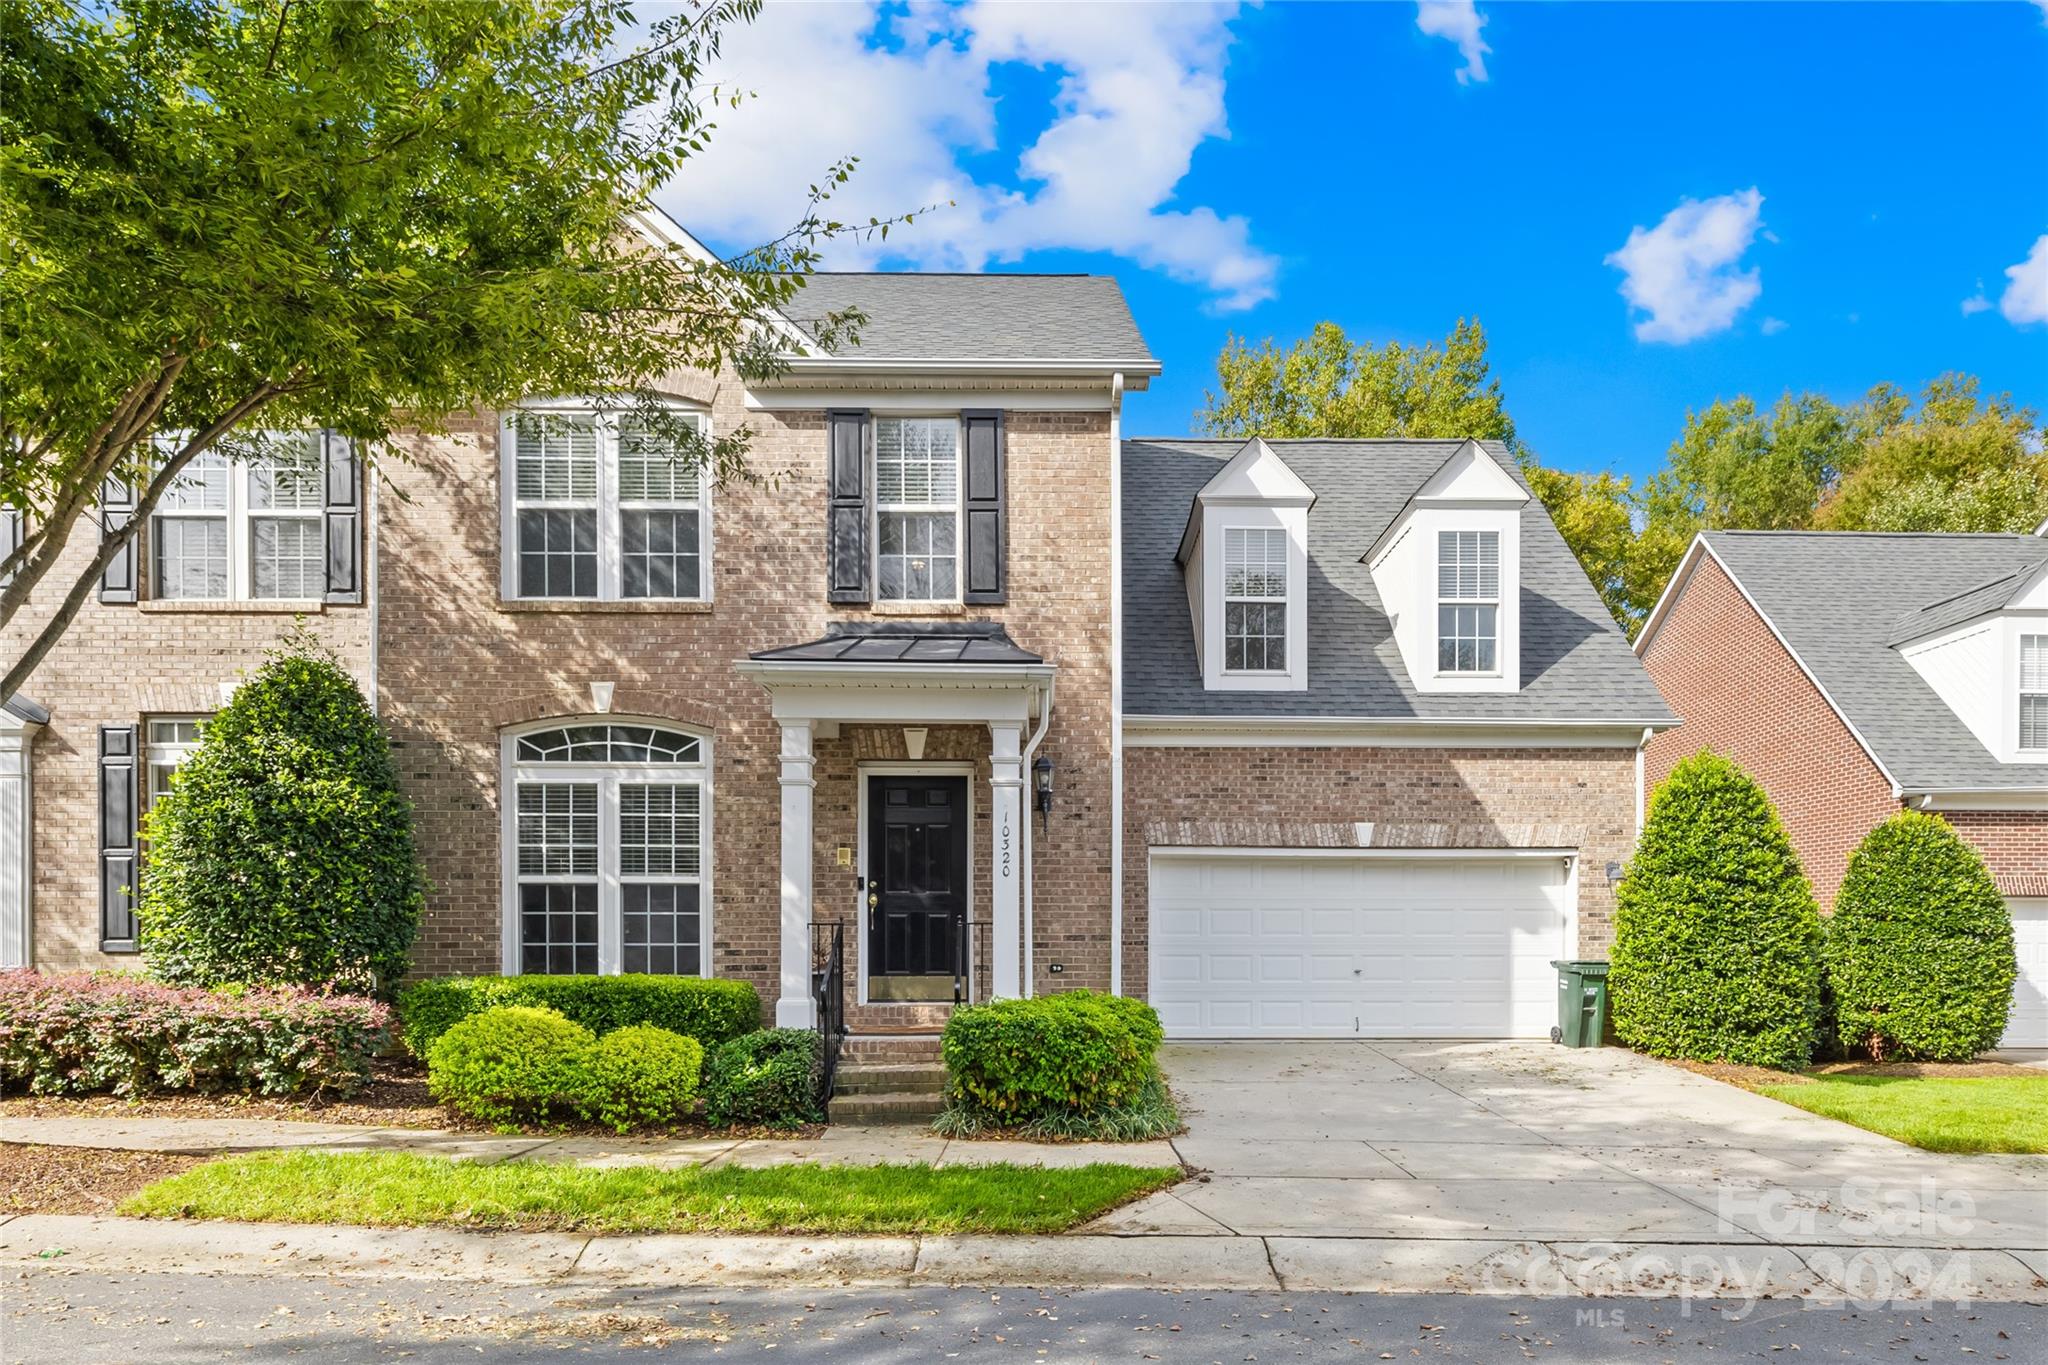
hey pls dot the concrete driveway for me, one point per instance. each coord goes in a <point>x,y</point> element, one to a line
<point>1545,1154</point>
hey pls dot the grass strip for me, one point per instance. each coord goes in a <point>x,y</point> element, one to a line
<point>400,1189</point>
<point>1939,1114</point>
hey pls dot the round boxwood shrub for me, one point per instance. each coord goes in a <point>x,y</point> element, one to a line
<point>1013,1062</point>
<point>283,853</point>
<point>1919,951</point>
<point>1716,935</point>
<point>769,1078</point>
<point>510,1064</point>
<point>641,1076</point>
<point>709,1009</point>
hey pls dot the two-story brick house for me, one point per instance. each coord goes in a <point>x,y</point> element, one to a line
<point>1299,738</point>
<point>1855,673</point>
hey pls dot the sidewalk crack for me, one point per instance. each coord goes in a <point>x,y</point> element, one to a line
<point>1278,1282</point>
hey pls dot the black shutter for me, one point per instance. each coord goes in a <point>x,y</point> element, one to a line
<point>986,508</point>
<point>117,511</point>
<point>117,838</point>
<point>848,443</point>
<point>11,528</point>
<point>342,515</point>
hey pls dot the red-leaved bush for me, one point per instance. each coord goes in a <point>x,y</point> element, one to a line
<point>83,1032</point>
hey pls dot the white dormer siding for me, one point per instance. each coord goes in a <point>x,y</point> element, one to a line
<point>1983,669</point>
<point>1244,557</point>
<point>1448,572</point>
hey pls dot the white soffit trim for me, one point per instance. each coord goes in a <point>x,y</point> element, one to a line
<point>1981,798</point>
<point>1281,732</point>
<point>1471,477</point>
<point>658,228</point>
<point>923,396</point>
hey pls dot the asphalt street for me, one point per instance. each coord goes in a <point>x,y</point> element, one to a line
<point>166,1319</point>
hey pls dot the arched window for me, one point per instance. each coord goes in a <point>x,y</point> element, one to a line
<point>606,834</point>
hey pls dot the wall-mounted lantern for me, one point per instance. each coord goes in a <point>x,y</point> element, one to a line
<point>1041,787</point>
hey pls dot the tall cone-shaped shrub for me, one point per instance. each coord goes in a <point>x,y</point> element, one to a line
<point>1919,950</point>
<point>283,852</point>
<point>1716,935</point>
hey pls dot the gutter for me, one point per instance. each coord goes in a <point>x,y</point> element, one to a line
<point>1116,684</point>
<point>1031,853</point>
<point>813,365</point>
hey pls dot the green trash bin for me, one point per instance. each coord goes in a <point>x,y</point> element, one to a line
<point>1581,1003</point>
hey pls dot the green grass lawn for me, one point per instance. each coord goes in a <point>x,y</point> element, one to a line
<point>397,1189</point>
<point>1941,1114</point>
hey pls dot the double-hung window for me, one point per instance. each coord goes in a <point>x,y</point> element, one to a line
<point>1254,599</point>
<point>243,528</point>
<point>2034,691</point>
<point>1468,601</point>
<point>169,742</point>
<point>917,509</point>
<point>606,506</point>
<point>606,828</point>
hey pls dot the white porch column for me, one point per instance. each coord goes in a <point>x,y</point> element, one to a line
<point>795,1008</point>
<point>1006,828</point>
<point>17,843</point>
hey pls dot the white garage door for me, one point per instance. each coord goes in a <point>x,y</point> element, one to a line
<point>1357,946</point>
<point>2027,1025</point>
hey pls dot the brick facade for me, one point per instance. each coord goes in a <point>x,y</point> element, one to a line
<point>1415,797</point>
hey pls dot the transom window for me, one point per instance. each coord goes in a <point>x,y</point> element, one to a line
<point>2034,691</point>
<point>606,506</point>
<point>606,836</point>
<point>917,508</point>
<point>243,528</point>
<point>1254,599</point>
<point>1468,602</point>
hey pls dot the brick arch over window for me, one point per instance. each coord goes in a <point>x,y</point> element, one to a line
<point>649,706</point>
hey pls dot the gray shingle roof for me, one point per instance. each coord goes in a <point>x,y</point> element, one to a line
<point>1833,597</point>
<point>1576,664</point>
<point>909,642</point>
<point>977,317</point>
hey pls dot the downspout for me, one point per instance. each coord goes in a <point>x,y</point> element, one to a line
<point>370,581</point>
<point>1116,683</point>
<point>1030,852</point>
<point>1642,796</point>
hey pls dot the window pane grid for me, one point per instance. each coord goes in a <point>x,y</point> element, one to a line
<point>658,554</point>
<point>287,557</point>
<point>2034,691</point>
<point>658,830</point>
<point>558,928</point>
<point>917,462</point>
<point>192,557</point>
<point>607,744</point>
<point>917,496</point>
<point>1468,565</point>
<point>660,929</point>
<point>1254,599</point>
<point>556,458</point>
<point>557,829</point>
<point>1466,639</point>
<point>652,469</point>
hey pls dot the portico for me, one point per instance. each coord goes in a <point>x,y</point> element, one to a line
<point>918,676</point>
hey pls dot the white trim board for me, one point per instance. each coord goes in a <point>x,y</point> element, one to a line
<point>1336,732</point>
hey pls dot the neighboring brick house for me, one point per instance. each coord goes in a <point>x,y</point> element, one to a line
<point>1855,673</point>
<point>651,725</point>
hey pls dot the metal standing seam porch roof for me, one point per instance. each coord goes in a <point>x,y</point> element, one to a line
<point>920,644</point>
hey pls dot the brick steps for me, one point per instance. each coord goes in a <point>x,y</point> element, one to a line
<point>875,1110</point>
<point>885,1079</point>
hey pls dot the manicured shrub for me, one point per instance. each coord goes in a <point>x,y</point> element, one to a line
<point>1919,951</point>
<point>1017,1061</point>
<point>711,1011</point>
<point>768,1078</point>
<point>1716,936</point>
<point>283,853</point>
<point>641,1076</point>
<point>511,1064</point>
<point>78,1033</point>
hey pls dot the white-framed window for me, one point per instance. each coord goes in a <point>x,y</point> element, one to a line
<point>1254,599</point>
<point>607,839</point>
<point>243,529</point>
<point>2034,691</point>
<point>168,741</point>
<point>1468,602</point>
<point>604,506</point>
<point>917,509</point>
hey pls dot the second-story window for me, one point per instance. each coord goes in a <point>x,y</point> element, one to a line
<point>1468,601</point>
<point>917,509</point>
<point>2034,691</point>
<point>607,507</point>
<point>242,528</point>
<point>1254,599</point>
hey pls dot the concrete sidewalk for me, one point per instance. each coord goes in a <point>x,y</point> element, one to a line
<point>1863,1277</point>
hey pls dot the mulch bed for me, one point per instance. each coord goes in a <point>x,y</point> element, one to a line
<point>78,1179</point>
<point>1750,1077</point>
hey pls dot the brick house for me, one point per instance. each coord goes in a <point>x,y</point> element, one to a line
<point>1855,673</point>
<point>1290,737</point>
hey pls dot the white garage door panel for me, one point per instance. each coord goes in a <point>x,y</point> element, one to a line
<point>1356,946</point>
<point>2027,1025</point>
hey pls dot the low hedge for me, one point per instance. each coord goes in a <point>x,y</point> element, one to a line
<point>1013,1062</point>
<point>84,1032</point>
<point>711,1011</point>
<point>641,1076</point>
<point>769,1078</point>
<point>510,1064</point>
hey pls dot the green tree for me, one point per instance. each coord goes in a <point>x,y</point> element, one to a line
<point>1595,515</point>
<point>1716,936</point>
<point>1959,462</point>
<point>283,852</point>
<point>281,214</point>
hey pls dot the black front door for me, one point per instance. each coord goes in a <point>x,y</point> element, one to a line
<point>917,885</point>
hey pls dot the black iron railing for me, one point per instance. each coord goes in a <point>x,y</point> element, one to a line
<point>828,997</point>
<point>971,972</point>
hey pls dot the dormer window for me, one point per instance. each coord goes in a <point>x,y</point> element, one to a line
<point>2034,692</point>
<point>1468,602</point>
<point>1254,600</point>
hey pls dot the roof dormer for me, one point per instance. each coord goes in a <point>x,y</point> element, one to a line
<point>1984,651</point>
<point>1448,570</point>
<point>1244,556</point>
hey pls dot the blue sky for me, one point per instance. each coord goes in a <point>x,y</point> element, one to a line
<point>1806,197</point>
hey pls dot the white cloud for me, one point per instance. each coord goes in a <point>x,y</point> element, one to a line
<point>1977,303</point>
<point>1772,326</point>
<point>1460,22</point>
<point>2026,298</point>
<point>1138,89</point>
<point>1683,272</point>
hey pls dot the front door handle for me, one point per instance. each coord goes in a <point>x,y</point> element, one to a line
<point>873,900</point>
